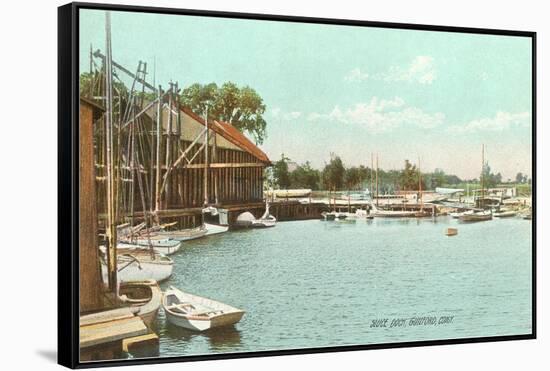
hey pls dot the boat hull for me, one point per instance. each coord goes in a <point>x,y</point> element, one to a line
<point>197,313</point>
<point>212,229</point>
<point>137,292</point>
<point>199,324</point>
<point>161,249</point>
<point>472,218</point>
<point>131,270</point>
<point>505,215</point>
<point>185,235</point>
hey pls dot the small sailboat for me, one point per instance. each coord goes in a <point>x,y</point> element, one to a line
<point>145,296</point>
<point>391,213</point>
<point>185,234</point>
<point>161,245</point>
<point>458,214</point>
<point>197,313</point>
<point>479,216</point>
<point>139,265</point>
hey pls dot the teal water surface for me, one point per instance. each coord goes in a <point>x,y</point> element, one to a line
<point>316,284</point>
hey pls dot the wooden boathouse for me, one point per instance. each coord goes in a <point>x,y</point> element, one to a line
<point>185,164</point>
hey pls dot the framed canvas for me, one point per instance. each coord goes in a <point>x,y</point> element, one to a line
<point>242,185</point>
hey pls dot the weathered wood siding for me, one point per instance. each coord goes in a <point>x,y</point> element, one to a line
<point>90,278</point>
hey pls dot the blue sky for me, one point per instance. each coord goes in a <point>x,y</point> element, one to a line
<point>349,90</point>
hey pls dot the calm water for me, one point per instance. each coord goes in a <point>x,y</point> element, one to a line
<point>316,284</point>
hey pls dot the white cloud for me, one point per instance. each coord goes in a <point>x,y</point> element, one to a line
<point>500,122</point>
<point>356,75</point>
<point>287,116</point>
<point>381,115</point>
<point>421,70</point>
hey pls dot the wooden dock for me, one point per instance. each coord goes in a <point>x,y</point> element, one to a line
<point>113,332</point>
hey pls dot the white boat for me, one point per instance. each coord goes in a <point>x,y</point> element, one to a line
<point>221,226</point>
<point>359,214</point>
<point>185,234</point>
<point>458,214</point>
<point>139,265</point>
<point>197,313</point>
<point>266,220</point>
<point>161,246</point>
<point>505,214</point>
<point>245,220</point>
<point>391,213</point>
<point>145,296</point>
<point>479,216</point>
<point>212,229</point>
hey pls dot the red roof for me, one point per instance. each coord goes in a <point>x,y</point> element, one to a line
<point>233,135</point>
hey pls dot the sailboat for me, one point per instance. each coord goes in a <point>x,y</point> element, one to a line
<point>484,215</point>
<point>391,213</point>
<point>139,265</point>
<point>161,244</point>
<point>422,213</point>
<point>185,234</point>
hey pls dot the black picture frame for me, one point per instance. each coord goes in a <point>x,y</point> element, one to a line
<point>68,173</point>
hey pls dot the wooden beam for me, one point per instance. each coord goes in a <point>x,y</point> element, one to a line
<point>220,165</point>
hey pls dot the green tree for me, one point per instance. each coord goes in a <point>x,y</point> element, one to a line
<point>439,179</point>
<point>333,174</point>
<point>353,178</point>
<point>520,178</point>
<point>281,174</point>
<point>409,177</point>
<point>241,107</point>
<point>305,177</point>
<point>92,84</point>
<point>489,179</point>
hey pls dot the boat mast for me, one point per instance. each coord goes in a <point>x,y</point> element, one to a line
<point>111,231</point>
<point>371,191</point>
<point>420,186</point>
<point>158,143</point>
<point>206,165</point>
<point>377,179</point>
<point>482,175</point>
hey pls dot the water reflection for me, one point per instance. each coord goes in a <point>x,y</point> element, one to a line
<point>219,338</point>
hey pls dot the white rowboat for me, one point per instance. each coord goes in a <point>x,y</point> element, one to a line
<point>145,296</point>
<point>196,312</point>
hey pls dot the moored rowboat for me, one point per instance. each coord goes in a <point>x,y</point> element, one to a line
<point>145,296</point>
<point>476,217</point>
<point>196,312</point>
<point>505,214</point>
